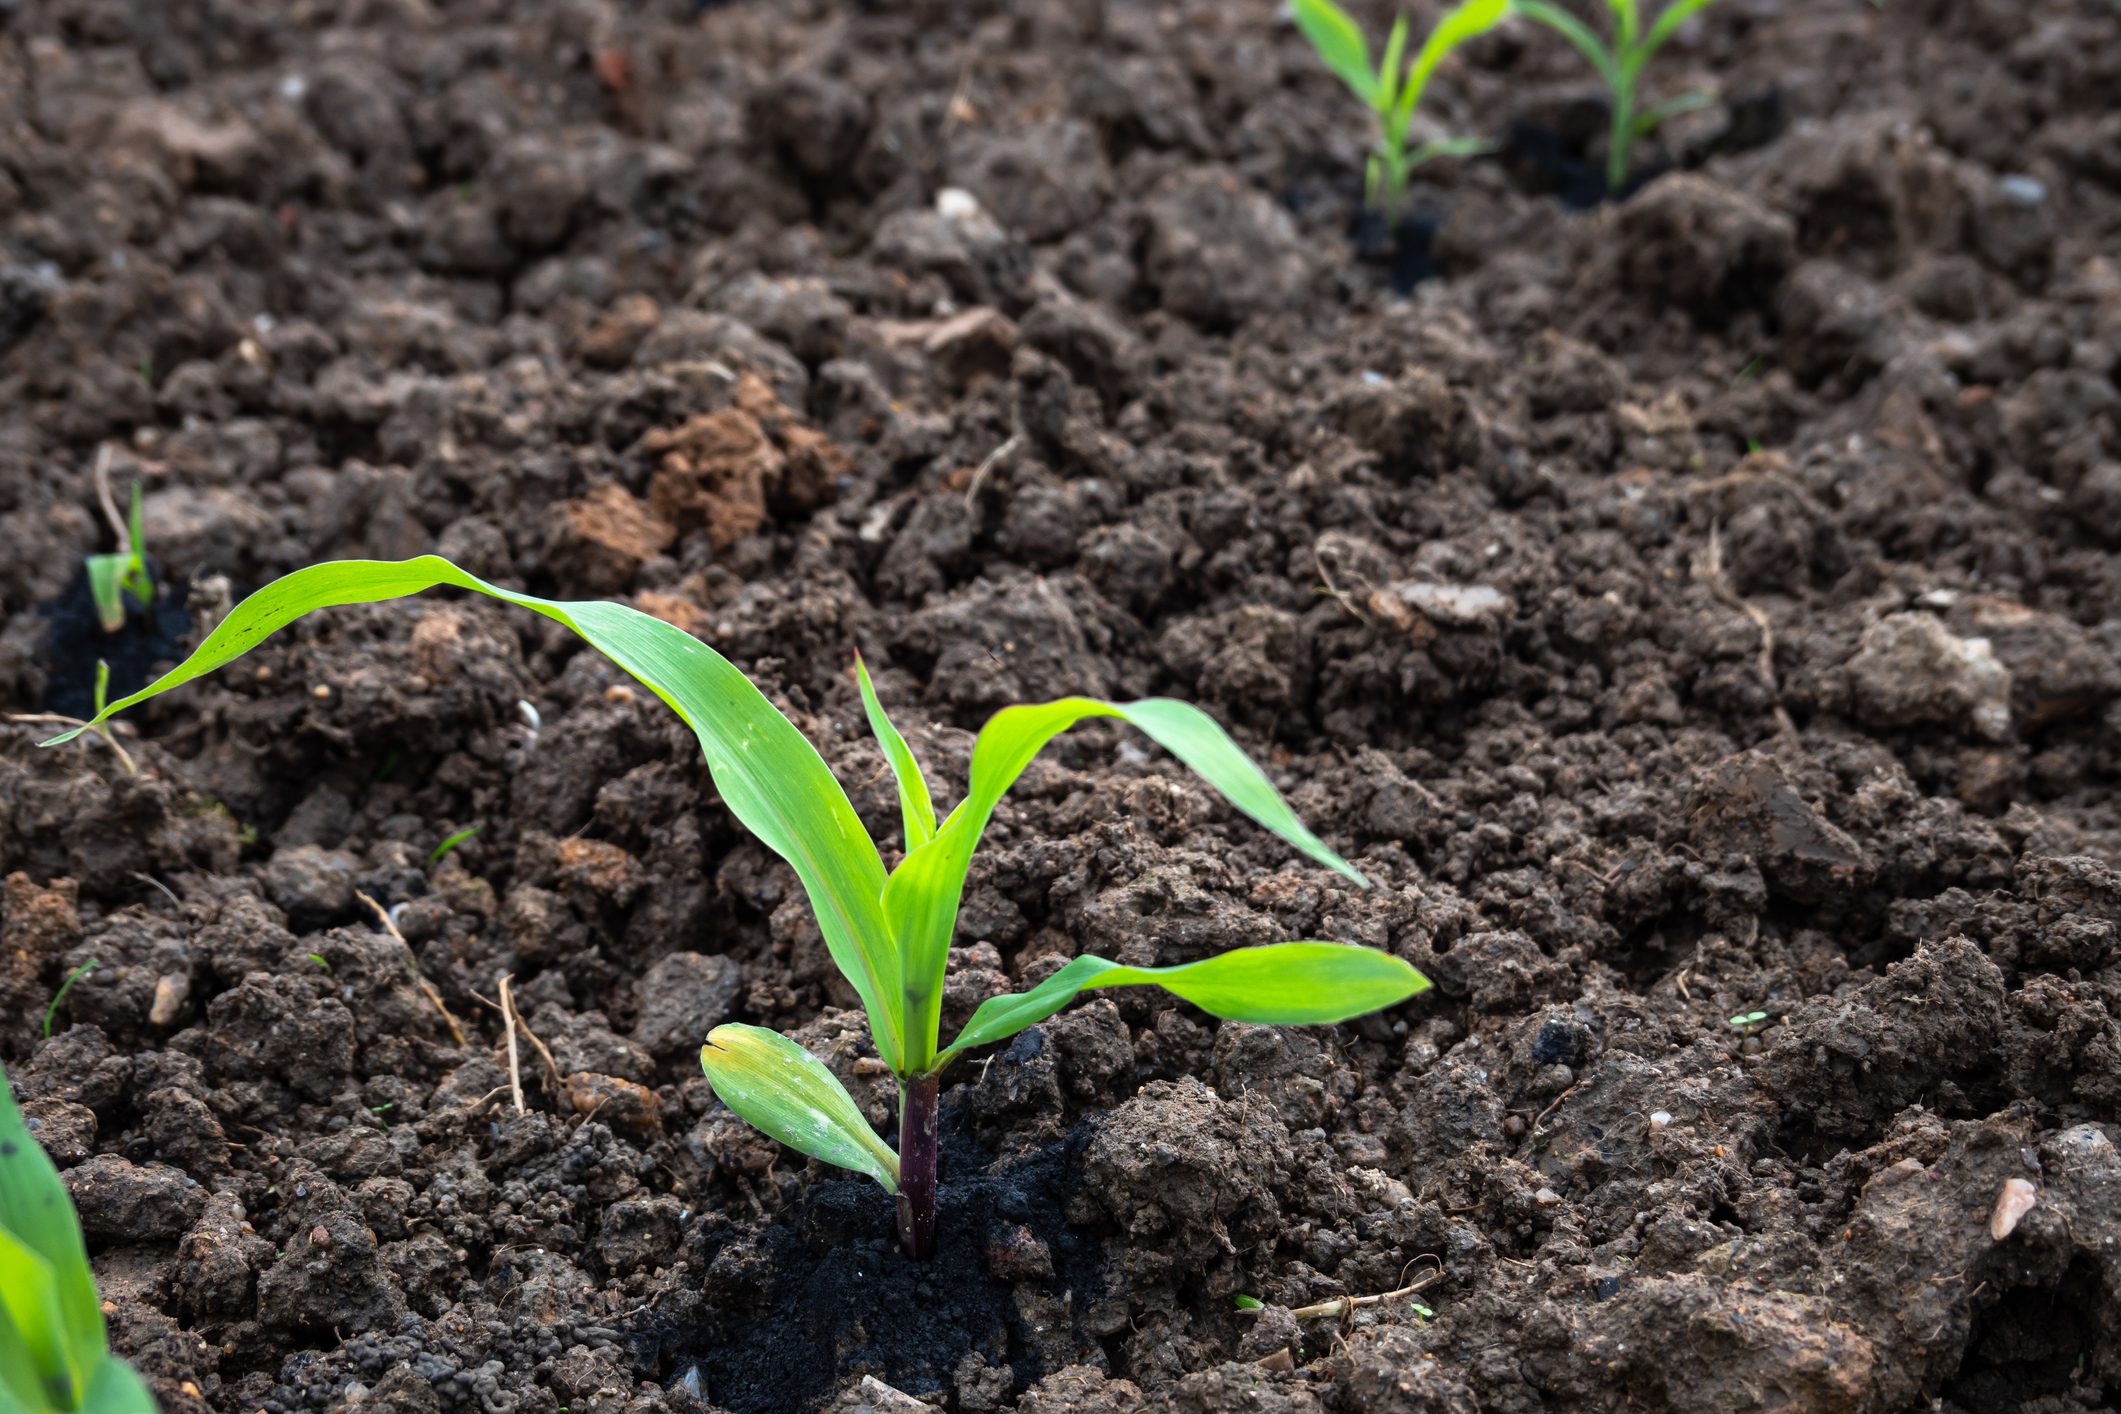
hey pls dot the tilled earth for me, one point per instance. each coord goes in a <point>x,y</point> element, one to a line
<point>1683,609</point>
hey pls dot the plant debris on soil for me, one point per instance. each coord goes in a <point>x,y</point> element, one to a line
<point>1694,605</point>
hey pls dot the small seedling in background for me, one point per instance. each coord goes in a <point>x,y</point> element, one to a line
<point>112,578</point>
<point>1391,94</point>
<point>1620,65</point>
<point>318,959</point>
<point>51,1012</point>
<point>1422,1312</point>
<point>1250,1303</point>
<point>889,932</point>
<point>100,732</point>
<point>441,851</point>
<point>1747,1020</point>
<point>54,1355</point>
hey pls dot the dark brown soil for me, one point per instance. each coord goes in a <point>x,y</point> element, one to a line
<point>1694,606</point>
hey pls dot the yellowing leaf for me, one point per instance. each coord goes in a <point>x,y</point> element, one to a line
<point>786,1092</point>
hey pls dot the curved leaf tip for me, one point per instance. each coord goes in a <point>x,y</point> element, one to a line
<point>787,1093</point>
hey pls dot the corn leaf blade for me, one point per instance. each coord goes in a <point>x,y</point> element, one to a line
<point>1280,984</point>
<point>106,577</point>
<point>921,899</point>
<point>116,1389</point>
<point>46,1287</point>
<point>779,1088</point>
<point>1667,24</point>
<point>21,1383</point>
<point>768,773</point>
<point>38,1361</point>
<point>1577,33</point>
<point>1340,45</point>
<point>1389,67</point>
<point>915,806</point>
<point>1463,24</point>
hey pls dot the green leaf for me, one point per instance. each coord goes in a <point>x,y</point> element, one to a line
<point>1675,14</point>
<point>1389,67</point>
<point>1576,32</point>
<point>921,899</point>
<point>46,1288</point>
<point>1340,45</point>
<point>1281,984</point>
<point>115,1389</point>
<point>41,1363</point>
<point>914,806</point>
<point>782,1089</point>
<point>1451,147</point>
<point>1648,119</point>
<point>21,1387</point>
<point>135,576</point>
<point>1250,1303</point>
<point>771,778</point>
<point>1627,22</point>
<point>112,577</point>
<point>1460,26</point>
<point>442,850</point>
<point>106,575</point>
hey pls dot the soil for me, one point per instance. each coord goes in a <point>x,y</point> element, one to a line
<point>1695,605</point>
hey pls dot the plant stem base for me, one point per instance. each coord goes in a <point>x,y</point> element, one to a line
<point>917,1151</point>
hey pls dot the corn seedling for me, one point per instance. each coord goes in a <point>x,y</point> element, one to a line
<point>1620,65</point>
<point>442,850</point>
<point>51,1013</point>
<point>53,1354</point>
<point>111,578</point>
<point>1392,89</point>
<point>96,728</point>
<point>888,931</point>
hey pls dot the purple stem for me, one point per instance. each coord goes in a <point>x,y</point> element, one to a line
<point>917,1106</point>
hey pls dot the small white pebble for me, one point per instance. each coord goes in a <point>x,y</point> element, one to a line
<point>529,715</point>
<point>956,204</point>
<point>1660,1119</point>
<point>2018,1198</point>
<point>1546,1197</point>
<point>293,87</point>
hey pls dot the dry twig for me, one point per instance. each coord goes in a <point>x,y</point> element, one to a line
<point>412,965</point>
<point>1708,568</point>
<point>1342,1305</point>
<point>508,1020</point>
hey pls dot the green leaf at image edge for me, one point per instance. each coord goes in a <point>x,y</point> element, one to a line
<point>1280,984</point>
<point>789,1094</point>
<point>51,1323</point>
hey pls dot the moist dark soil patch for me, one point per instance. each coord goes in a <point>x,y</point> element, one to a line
<point>827,1293</point>
<point>150,639</point>
<point>1698,605</point>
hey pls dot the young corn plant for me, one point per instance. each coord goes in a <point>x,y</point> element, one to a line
<point>1620,65</point>
<point>113,577</point>
<point>888,930</point>
<point>1393,93</point>
<point>53,1355</point>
